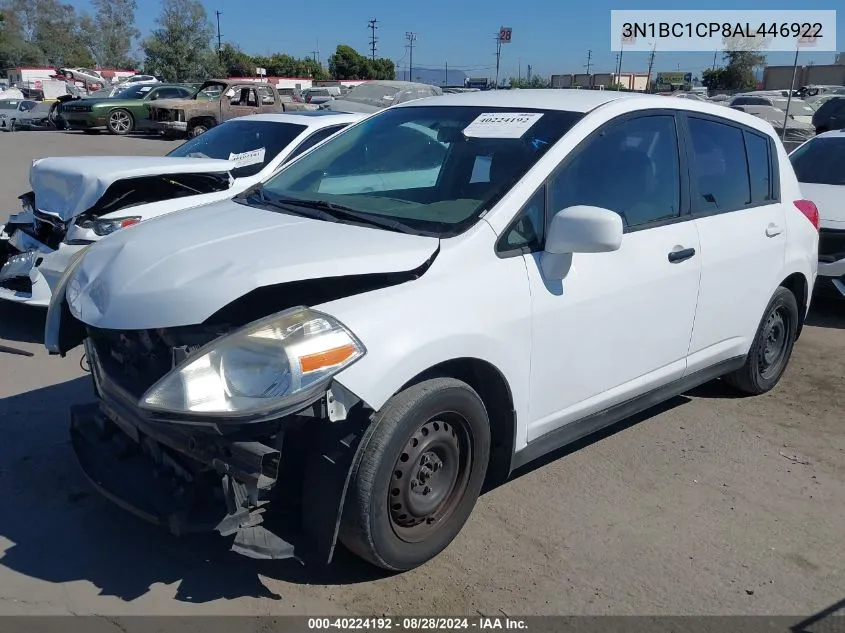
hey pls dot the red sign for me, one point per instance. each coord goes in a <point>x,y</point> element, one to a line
<point>505,34</point>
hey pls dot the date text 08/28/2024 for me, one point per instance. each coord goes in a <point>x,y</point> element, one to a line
<point>417,623</point>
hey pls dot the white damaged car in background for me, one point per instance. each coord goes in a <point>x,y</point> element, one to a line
<point>78,200</point>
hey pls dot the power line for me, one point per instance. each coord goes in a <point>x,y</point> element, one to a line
<point>373,38</point>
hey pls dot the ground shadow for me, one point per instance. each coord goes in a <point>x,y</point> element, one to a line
<point>61,530</point>
<point>22,323</point>
<point>823,620</point>
<point>826,312</point>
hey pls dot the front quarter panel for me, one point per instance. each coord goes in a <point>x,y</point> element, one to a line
<point>469,304</point>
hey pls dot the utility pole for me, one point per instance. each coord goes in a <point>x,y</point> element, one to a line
<point>714,59</point>
<point>529,73</point>
<point>498,56</point>
<point>588,64</point>
<point>616,79</point>
<point>446,79</point>
<point>650,66</point>
<point>219,37</point>
<point>519,72</point>
<point>411,37</point>
<point>373,38</point>
<point>314,56</point>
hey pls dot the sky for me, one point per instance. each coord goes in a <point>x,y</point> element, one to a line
<point>552,37</point>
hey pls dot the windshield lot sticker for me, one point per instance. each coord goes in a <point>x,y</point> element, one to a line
<point>248,158</point>
<point>501,124</point>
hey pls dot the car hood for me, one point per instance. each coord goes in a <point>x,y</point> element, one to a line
<point>69,185</point>
<point>171,104</point>
<point>830,201</point>
<point>342,105</point>
<point>181,268</point>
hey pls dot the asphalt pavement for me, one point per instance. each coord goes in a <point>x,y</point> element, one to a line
<point>709,504</point>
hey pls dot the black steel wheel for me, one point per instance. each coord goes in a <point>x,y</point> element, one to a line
<point>423,464</point>
<point>772,346</point>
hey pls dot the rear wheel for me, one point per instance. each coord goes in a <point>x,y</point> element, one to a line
<point>772,347</point>
<point>420,475</point>
<point>120,122</point>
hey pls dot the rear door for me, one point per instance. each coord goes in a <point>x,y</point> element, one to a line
<point>735,200</point>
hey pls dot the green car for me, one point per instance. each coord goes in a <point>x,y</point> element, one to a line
<point>126,112</point>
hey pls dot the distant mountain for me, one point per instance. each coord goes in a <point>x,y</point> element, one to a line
<point>434,76</point>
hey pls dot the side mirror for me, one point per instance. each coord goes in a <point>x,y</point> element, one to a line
<point>579,229</point>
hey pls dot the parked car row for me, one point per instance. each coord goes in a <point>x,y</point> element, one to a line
<point>352,330</point>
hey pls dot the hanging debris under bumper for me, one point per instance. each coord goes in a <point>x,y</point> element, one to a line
<point>189,483</point>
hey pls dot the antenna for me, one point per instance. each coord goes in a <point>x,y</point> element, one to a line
<point>373,38</point>
<point>411,37</point>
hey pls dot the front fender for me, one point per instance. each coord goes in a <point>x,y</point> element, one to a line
<point>458,309</point>
<point>62,331</point>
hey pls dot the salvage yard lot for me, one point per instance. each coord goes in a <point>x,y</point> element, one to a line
<point>710,504</point>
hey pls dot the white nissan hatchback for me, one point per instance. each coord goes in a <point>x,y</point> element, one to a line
<point>433,297</point>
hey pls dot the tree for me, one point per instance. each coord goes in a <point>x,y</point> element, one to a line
<point>742,56</point>
<point>535,82</point>
<point>180,48</point>
<point>235,62</point>
<point>113,30</point>
<point>46,30</point>
<point>347,63</point>
<point>14,49</point>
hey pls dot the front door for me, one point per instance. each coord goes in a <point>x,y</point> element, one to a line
<point>243,103</point>
<point>618,324</point>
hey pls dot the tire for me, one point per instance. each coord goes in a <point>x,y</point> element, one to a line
<point>772,347</point>
<point>197,128</point>
<point>433,438</point>
<point>120,122</point>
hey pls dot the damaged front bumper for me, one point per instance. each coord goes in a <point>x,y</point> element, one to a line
<point>280,494</point>
<point>30,277</point>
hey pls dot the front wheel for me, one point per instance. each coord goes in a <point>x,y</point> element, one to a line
<point>772,346</point>
<point>420,475</point>
<point>195,129</point>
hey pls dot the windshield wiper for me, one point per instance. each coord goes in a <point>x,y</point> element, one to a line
<point>336,212</point>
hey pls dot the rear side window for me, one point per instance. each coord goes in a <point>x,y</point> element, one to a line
<point>720,170</point>
<point>731,168</point>
<point>759,167</point>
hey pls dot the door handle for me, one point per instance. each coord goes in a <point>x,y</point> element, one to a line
<point>681,255</point>
<point>772,230</point>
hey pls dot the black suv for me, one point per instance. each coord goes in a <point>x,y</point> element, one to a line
<point>830,116</point>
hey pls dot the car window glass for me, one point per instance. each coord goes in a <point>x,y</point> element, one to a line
<point>719,170</point>
<point>528,228</point>
<point>311,141</point>
<point>820,161</point>
<point>251,144</point>
<point>631,168</point>
<point>757,150</point>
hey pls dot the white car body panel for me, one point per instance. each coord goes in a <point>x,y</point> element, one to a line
<point>168,282</point>
<point>620,323</point>
<point>69,185</point>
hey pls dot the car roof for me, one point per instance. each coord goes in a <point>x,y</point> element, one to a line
<point>584,101</point>
<point>310,118</point>
<point>831,134</point>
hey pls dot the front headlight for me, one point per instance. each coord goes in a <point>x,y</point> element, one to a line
<point>107,227</point>
<point>267,367</point>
